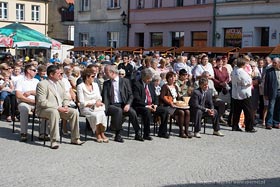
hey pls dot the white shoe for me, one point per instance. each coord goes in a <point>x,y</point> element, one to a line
<point>218,133</point>
<point>54,145</point>
<point>197,135</point>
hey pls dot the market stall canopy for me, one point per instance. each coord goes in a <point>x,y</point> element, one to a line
<point>17,35</point>
<point>131,49</point>
<point>256,50</point>
<point>276,50</point>
<point>161,49</point>
<point>217,50</point>
<point>86,49</point>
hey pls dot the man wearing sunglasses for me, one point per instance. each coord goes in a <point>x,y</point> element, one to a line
<point>25,94</point>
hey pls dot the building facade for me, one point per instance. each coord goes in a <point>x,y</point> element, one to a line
<point>171,23</point>
<point>61,20</point>
<point>99,23</point>
<point>244,23</point>
<point>33,14</point>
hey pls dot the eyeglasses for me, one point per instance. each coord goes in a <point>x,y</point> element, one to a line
<point>34,70</point>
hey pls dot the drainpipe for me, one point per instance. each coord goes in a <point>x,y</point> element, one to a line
<point>128,24</point>
<point>46,17</point>
<point>214,25</point>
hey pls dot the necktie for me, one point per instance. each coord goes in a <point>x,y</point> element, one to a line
<point>203,98</point>
<point>112,92</point>
<point>148,95</point>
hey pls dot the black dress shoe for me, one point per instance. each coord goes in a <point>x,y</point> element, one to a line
<point>138,137</point>
<point>118,138</point>
<point>268,127</point>
<point>252,130</point>
<point>240,130</point>
<point>148,138</point>
<point>163,135</point>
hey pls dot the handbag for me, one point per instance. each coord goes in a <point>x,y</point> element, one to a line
<point>169,99</point>
<point>98,109</point>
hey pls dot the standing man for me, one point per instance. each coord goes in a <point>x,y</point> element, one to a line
<point>201,104</point>
<point>117,96</point>
<point>25,94</point>
<point>52,103</point>
<point>146,102</point>
<point>241,95</point>
<point>272,93</point>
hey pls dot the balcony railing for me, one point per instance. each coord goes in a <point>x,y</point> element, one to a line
<point>67,16</point>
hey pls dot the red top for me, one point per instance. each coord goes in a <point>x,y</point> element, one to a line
<point>220,77</point>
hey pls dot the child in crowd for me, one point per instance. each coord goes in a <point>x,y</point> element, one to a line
<point>6,87</point>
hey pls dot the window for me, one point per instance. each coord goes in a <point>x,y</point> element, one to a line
<point>141,4</point>
<point>199,39</point>
<point>233,37</point>
<point>157,3</point>
<point>83,39</point>
<point>85,5</point>
<point>20,12</point>
<point>156,39</point>
<point>113,39</point>
<point>35,13</point>
<point>3,10</point>
<point>200,2</point>
<point>180,3</point>
<point>177,39</point>
<point>114,4</point>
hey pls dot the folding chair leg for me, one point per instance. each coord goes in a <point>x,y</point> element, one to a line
<point>154,126</point>
<point>204,126</point>
<point>108,126</point>
<point>32,133</point>
<point>61,124</point>
<point>141,126</point>
<point>14,125</point>
<point>45,131</point>
<point>170,125</point>
<point>128,128</point>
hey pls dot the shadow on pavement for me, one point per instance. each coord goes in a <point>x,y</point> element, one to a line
<point>267,182</point>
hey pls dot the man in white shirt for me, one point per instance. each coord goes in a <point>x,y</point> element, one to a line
<point>25,93</point>
<point>241,94</point>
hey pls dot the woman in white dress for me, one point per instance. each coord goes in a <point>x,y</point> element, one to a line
<point>91,104</point>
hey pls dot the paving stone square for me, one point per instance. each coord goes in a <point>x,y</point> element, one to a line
<point>238,159</point>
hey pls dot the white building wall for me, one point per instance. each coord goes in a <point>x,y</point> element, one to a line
<point>250,16</point>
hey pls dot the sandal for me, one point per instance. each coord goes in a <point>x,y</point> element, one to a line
<point>106,140</point>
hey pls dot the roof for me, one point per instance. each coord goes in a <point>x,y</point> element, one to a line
<point>257,50</point>
<point>206,49</point>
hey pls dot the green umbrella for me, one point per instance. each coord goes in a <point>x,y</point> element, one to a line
<point>19,36</point>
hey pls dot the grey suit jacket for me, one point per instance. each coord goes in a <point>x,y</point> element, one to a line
<point>196,100</point>
<point>48,97</point>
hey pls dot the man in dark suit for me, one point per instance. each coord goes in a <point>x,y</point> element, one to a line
<point>201,104</point>
<point>272,93</point>
<point>117,97</point>
<point>146,102</point>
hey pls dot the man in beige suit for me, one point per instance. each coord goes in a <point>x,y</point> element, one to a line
<point>52,103</point>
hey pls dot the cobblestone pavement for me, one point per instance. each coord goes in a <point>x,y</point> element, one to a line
<point>238,159</point>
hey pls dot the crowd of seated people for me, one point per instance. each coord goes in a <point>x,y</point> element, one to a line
<point>142,86</point>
